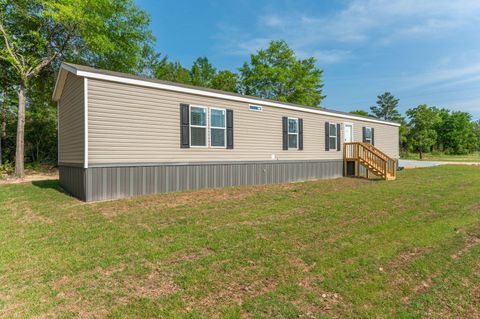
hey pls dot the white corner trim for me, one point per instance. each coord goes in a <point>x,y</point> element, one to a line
<point>174,88</point>
<point>58,133</point>
<point>85,122</point>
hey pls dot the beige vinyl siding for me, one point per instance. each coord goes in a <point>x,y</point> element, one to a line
<point>132,124</point>
<point>71,121</point>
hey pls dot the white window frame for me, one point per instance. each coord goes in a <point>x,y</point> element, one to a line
<point>198,126</point>
<point>369,140</point>
<point>288,132</point>
<point>330,136</point>
<point>216,127</point>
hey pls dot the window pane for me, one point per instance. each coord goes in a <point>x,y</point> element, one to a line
<point>199,136</point>
<point>218,118</point>
<point>199,116</point>
<point>292,126</point>
<point>292,140</point>
<point>333,130</point>
<point>332,143</point>
<point>368,133</point>
<point>218,137</point>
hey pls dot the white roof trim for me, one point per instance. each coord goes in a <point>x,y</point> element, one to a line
<point>181,89</point>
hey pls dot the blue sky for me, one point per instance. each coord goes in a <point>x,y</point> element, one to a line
<point>423,51</point>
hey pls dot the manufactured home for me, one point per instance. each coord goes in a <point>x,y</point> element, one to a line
<point>121,135</point>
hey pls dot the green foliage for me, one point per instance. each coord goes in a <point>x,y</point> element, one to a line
<point>423,120</point>
<point>171,71</point>
<point>202,72</point>
<point>456,133</point>
<point>276,73</point>
<point>225,81</point>
<point>6,169</point>
<point>476,131</point>
<point>104,33</point>
<point>41,122</point>
<point>403,133</point>
<point>386,108</point>
<point>360,112</point>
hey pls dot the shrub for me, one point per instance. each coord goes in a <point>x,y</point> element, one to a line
<point>6,169</point>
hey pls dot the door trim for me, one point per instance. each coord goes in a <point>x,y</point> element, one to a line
<point>352,134</point>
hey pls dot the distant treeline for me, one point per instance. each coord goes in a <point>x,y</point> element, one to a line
<point>426,129</point>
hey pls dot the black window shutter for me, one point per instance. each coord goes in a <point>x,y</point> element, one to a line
<point>364,134</point>
<point>373,136</point>
<point>285,132</point>
<point>327,144</point>
<point>338,138</point>
<point>300,134</point>
<point>230,129</point>
<point>184,126</point>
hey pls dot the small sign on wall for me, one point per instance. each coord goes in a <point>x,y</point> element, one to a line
<point>255,108</point>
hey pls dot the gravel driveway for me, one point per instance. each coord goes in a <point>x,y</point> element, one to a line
<point>413,163</point>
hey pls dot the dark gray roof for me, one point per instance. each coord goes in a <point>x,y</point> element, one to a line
<point>141,78</point>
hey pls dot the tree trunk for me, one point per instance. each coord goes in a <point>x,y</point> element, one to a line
<point>20,147</point>
<point>420,153</point>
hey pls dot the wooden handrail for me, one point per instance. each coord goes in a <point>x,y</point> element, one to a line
<point>371,158</point>
<point>376,150</point>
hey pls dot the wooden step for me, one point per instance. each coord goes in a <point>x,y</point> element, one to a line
<point>374,160</point>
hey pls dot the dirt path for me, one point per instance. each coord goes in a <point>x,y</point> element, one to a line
<point>29,178</point>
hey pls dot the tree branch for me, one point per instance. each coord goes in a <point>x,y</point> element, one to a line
<point>32,72</point>
<point>16,62</point>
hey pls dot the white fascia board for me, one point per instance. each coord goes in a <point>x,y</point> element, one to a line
<point>61,78</point>
<point>245,99</point>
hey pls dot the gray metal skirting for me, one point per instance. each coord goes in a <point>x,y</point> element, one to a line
<point>72,179</point>
<point>103,183</point>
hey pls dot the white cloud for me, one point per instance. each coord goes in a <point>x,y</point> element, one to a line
<point>376,21</point>
<point>448,72</point>
<point>328,56</point>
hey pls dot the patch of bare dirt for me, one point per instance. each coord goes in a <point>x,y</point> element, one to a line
<point>469,244</point>
<point>88,301</point>
<point>235,292</point>
<point>407,257</point>
<point>300,264</point>
<point>174,200</point>
<point>30,178</point>
<point>200,197</point>
<point>425,284</point>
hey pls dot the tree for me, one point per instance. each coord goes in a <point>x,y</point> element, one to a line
<point>457,133</point>
<point>7,79</point>
<point>171,71</point>
<point>422,127</point>
<point>360,112</point>
<point>37,33</point>
<point>202,72</point>
<point>276,73</point>
<point>225,81</point>
<point>403,133</point>
<point>386,108</point>
<point>476,131</point>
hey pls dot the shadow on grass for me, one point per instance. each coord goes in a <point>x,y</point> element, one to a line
<point>50,184</point>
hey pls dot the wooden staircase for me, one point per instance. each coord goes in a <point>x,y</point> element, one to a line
<point>375,161</point>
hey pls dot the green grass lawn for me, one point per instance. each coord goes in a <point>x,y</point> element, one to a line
<point>473,157</point>
<point>339,248</point>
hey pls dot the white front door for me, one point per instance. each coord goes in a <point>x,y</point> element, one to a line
<point>348,133</point>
